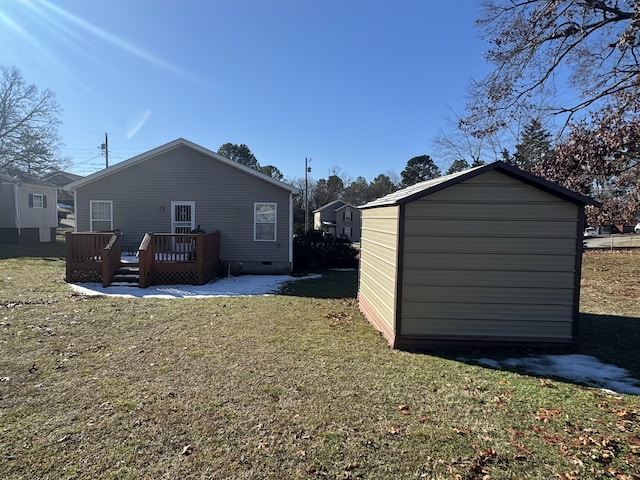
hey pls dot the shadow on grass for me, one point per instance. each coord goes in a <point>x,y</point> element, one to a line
<point>332,284</point>
<point>611,339</point>
<point>46,250</point>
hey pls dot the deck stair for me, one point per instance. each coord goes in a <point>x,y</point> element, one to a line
<point>127,274</point>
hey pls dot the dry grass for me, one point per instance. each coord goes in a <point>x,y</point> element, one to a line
<point>286,386</point>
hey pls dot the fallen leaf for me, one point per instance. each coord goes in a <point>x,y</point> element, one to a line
<point>394,429</point>
<point>545,415</point>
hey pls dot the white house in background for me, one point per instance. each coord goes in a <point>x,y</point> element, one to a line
<point>28,213</point>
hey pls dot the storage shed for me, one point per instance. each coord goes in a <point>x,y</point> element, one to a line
<point>488,256</point>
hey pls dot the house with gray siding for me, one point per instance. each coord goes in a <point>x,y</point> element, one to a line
<point>491,255</point>
<point>338,218</point>
<point>28,212</point>
<point>181,186</point>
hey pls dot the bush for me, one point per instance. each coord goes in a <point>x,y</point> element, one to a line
<point>314,250</point>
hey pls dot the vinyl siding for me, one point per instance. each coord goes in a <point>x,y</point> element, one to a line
<point>490,256</point>
<point>378,261</point>
<point>353,224</point>
<point>8,210</point>
<point>224,200</point>
<point>44,218</point>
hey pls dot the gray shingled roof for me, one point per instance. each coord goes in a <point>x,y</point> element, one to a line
<point>431,186</point>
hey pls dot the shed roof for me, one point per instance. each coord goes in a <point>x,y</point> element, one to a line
<point>428,187</point>
<point>168,147</point>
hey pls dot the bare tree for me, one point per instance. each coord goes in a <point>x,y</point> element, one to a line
<point>456,142</point>
<point>29,122</point>
<point>589,46</point>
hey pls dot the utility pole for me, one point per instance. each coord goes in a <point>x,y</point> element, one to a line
<point>105,147</point>
<point>307,170</point>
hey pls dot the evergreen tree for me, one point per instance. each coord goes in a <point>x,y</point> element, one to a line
<point>535,144</point>
<point>419,169</point>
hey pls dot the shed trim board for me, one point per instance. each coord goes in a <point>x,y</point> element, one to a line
<point>489,222</point>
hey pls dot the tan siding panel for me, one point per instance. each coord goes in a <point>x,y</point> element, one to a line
<point>538,328</point>
<point>414,276</point>
<point>430,208</point>
<point>484,294</point>
<point>518,246</point>
<point>504,261</point>
<point>493,227</point>
<point>378,261</point>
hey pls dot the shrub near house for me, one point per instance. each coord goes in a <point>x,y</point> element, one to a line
<point>314,250</point>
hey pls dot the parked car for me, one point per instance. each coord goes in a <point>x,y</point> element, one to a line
<point>636,229</point>
<point>590,232</point>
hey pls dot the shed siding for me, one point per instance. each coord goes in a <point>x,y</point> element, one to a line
<point>378,262</point>
<point>491,257</point>
<point>224,200</point>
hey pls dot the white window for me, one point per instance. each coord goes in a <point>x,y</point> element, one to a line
<point>101,215</point>
<point>347,231</point>
<point>37,200</point>
<point>347,216</point>
<point>264,219</point>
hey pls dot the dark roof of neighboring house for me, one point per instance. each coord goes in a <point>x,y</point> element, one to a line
<point>428,187</point>
<point>61,178</point>
<point>345,206</point>
<point>19,177</point>
<point>329,205</point>
<point>170,146</point>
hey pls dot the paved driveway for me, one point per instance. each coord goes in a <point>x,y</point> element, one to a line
<point>626,240</point>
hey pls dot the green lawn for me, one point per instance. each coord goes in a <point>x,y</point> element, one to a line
<point>296,385</point>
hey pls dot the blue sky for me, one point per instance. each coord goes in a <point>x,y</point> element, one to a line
<point>357,85</point>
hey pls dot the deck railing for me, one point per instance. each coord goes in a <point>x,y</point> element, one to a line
<point>111,258</point>
<point>191,258</point>
<point>163,258</point>
<point>85,252</point>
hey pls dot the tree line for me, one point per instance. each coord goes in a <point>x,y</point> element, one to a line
<point>562,101</point>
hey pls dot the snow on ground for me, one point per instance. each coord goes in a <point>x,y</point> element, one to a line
<point>583,369</point>
<point>242,285</point>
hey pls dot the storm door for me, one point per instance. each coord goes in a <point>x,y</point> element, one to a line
<point>183,218</point>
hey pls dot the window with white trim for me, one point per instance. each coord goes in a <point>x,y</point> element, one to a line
<point>101,215</point>
<point>264,222</point>
<point>37,200</point>
<point>347,215</point>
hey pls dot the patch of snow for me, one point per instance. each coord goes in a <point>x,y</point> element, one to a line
<point>488,362</point>
<point>243,285</point>
<point>583,369</point>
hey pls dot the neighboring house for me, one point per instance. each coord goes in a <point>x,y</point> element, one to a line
<point>28,213</point>
<point>491,255</point>
<point>60,179</point>
<point>338,218</point>
<point>180,187</point>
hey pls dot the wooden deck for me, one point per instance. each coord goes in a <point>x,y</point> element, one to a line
<point>163,258</point>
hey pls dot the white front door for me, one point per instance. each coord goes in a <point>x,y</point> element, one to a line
<point>183,217</point>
